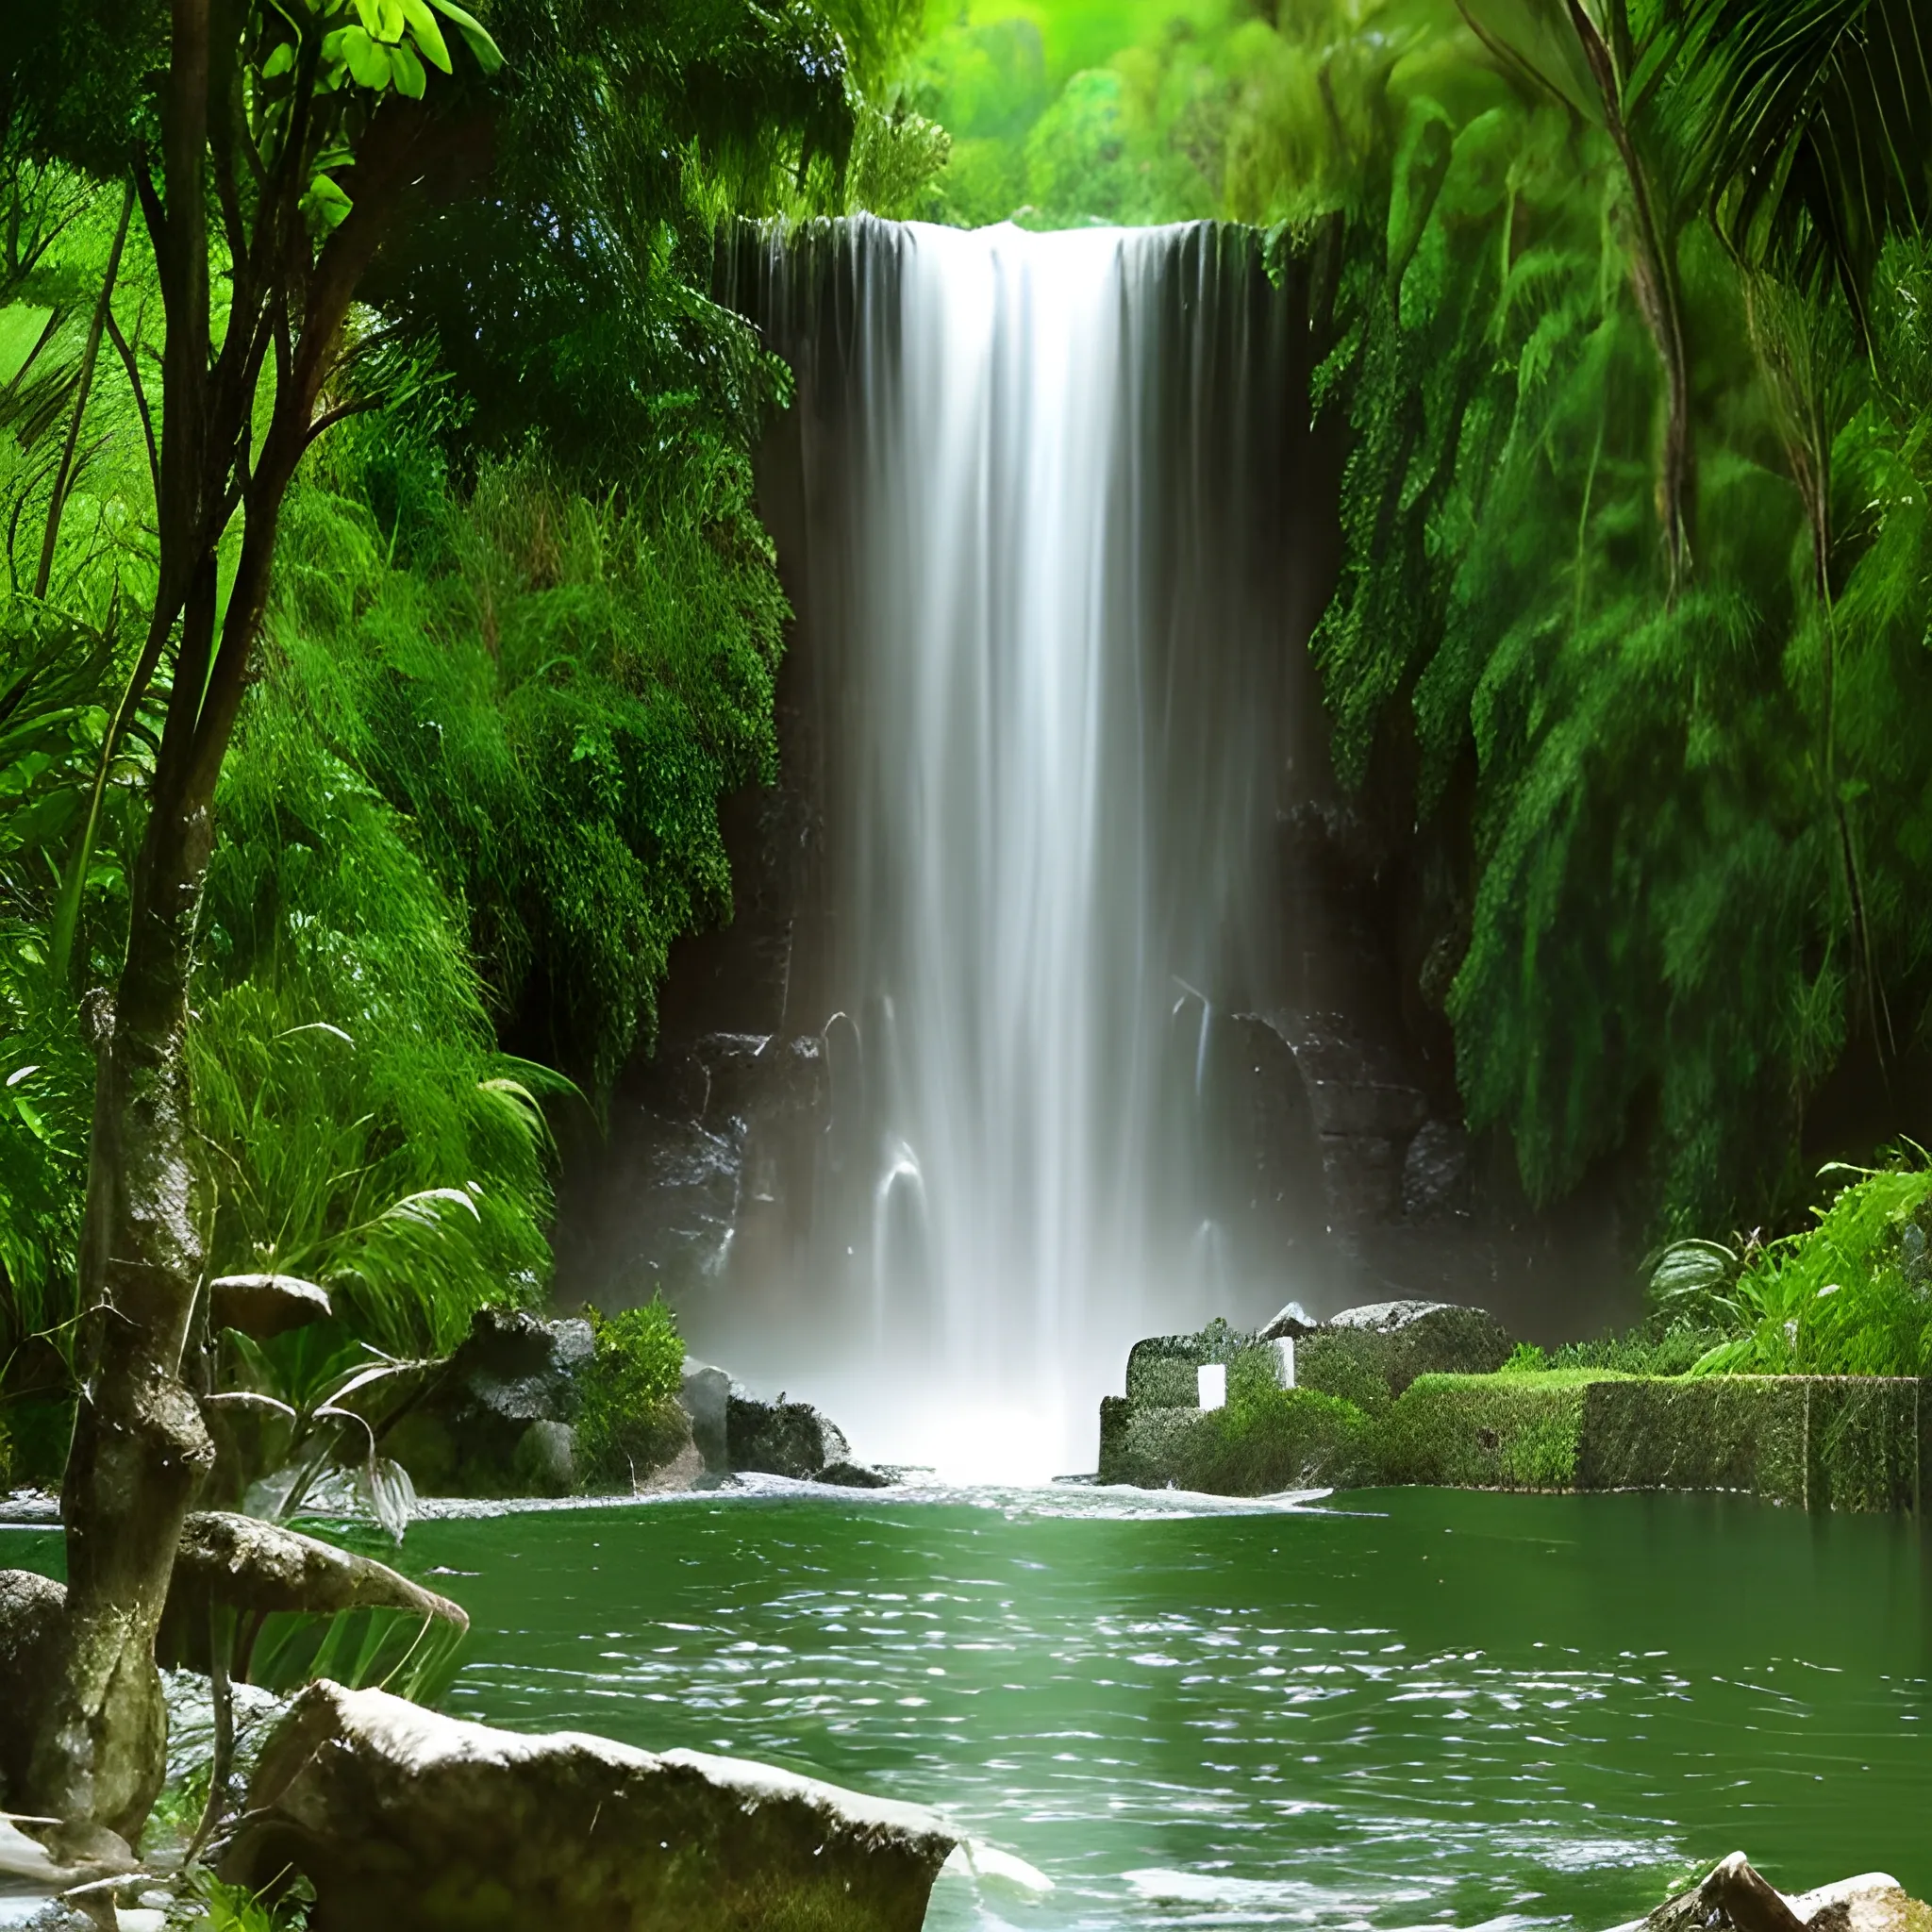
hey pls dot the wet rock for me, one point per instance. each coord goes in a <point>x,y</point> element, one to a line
<point>32,1611</point>
<point>465,1435</point>
<point>855,1476</point>
<point>706,1394</point>
<point>782,1438</point>
<point>1735,1897</point>
<point>1436,1172</point>
<point>399,1816</point>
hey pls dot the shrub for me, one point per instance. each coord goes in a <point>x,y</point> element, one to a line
<point>631,1422</point>
<point>1269,1439</point>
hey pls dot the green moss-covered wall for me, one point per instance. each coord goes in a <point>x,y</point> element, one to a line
<point>1820,1442</point>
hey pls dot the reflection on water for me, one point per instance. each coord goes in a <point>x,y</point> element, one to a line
<point>1423,1708</point>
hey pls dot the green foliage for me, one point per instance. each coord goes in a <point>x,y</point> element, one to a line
<point>558,697</point>
<point>234,1908</point>
<point>1518,1431</point>
<point>1269,1439</point>
<point>630,1420</point>
<point>1850,1296</point>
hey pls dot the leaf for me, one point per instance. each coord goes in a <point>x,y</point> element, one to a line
<point>489,56</point>
<point>279,62</point>
<point>325,204</point>
<point>429,40</point>
<point>392,1494</point>
<point>368,60</point>
<point>409,77</point>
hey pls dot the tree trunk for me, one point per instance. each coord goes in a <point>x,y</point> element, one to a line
<point>140,1448</point>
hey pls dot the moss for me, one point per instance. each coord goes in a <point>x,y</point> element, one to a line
<point>1697,1432</point>
<point>1346,1363</point>
<point>1519,1431</point>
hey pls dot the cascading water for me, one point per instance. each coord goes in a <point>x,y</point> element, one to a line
<point>1042,556</point>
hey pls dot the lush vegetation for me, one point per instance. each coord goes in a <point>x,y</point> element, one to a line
<point>630,1422</point>
<point>1632,356</point>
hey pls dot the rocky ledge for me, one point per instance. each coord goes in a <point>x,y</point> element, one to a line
<point>398,1816</point>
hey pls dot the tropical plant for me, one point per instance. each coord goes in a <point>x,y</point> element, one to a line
<point>630,1419</point>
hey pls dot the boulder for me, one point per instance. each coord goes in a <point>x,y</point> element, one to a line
<point>465,1435</point>
<point>1292,1322</point>
<point>855,1476</point>
<point>707,1398</point>
<point>32,1610</point>
<point>399,1816</point>
<point>1370,1355</point>
<point>781,1438</point>
<point>1734,1897</point>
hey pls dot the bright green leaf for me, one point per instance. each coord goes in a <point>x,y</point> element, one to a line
<point>279,62</point>
<point>429,40</point>
<point>409,77</point>
<point>392,29</point>
<point>368,61</point>
<point>488,54</point>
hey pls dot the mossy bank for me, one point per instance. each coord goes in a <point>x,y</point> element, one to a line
<point>1412,1393</point>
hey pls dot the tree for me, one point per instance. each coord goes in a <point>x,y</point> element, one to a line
<point>276,147</point>
<point>1587,53</point>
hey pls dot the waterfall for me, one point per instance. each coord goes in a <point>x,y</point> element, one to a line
<point>1040,532</point>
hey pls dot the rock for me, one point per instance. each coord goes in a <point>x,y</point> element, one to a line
<point>707,1398</point>
<point>855,1476</point>
<point>1734,1897</point>
<point>1437,1181</point>
<point>32,1611</point>
<point>512,1371</point>
<point>256,1566</point>
<point>1370,1355</point>
<point>265,1305</point>
<point>545,1461</point>
<point>399,1816</point>
<point>1291,1321</point>
<point>781,1438</point>
<point>254,1713</point>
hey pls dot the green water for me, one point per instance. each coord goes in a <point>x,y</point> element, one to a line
<point>1424,1707</point>
<point>1398,1709</point>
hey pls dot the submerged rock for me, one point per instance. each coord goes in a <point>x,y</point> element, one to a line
<point>399,1816</point>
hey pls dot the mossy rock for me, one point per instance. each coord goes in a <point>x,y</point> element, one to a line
<point>1368,1355</point>
<point>1150,1447</point>
<point>1161,1370</point>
